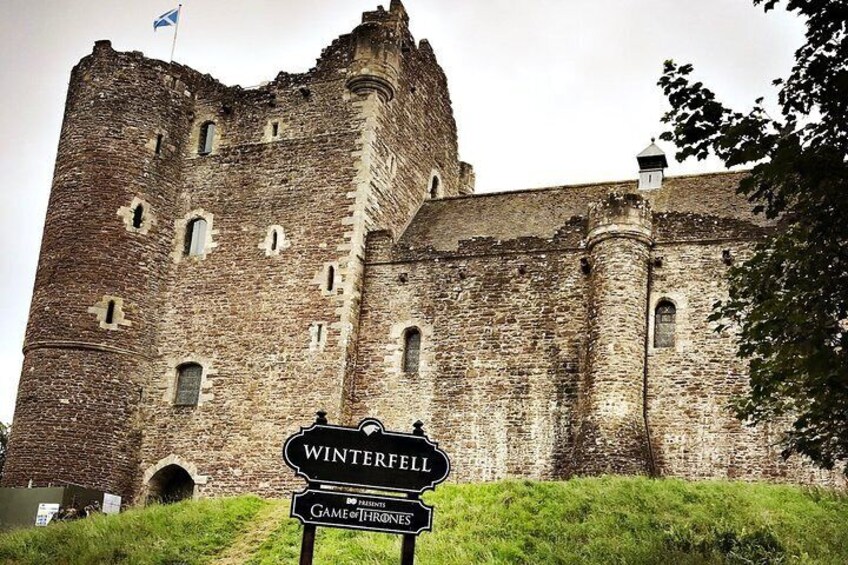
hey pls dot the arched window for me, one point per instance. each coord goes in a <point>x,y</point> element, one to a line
<point>664,324</point>
<point>195,237</point>
<point>207,137</point>
<point>434,187</point>
<point>411,350</point>
<point>138,216</point>
<point>189,377</point>
<point>331,278</point>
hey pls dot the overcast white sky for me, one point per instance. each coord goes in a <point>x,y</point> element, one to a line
<point>545,92</point>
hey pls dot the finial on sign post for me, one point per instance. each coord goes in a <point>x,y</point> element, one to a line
<point>322,417</point>
<point>418,428</point>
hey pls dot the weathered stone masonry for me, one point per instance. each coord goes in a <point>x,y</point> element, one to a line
<point>322,248</point>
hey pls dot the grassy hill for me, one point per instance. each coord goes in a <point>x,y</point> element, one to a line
<point>607,520</point>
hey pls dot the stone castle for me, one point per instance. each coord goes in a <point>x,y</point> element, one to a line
<point>218,263</point>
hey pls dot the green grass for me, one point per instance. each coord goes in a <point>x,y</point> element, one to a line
<point>184,533</point>
<point>605,521</point>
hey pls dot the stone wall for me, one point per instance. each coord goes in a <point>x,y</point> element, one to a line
<point>691,385</point>
<point>242,314</point>
<point>537,316</point>
<point>501,351</point>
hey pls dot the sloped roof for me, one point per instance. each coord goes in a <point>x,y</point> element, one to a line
<point>442,224</point>
<point>651,151</point>
<point>652,156</point>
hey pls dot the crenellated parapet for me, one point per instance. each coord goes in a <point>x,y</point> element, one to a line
<point>620,216</point>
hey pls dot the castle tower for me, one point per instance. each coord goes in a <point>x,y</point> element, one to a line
<point>377,52</point>
<point>92,327</point>
<point>612,435</point>
<point>200,280</point>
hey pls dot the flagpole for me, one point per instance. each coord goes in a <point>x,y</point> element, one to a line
<point>176,30</point>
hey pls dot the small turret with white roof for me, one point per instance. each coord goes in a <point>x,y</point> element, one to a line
<point>652,165</point>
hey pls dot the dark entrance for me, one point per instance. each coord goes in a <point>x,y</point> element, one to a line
<point>170,484</point>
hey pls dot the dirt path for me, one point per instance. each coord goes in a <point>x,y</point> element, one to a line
<point>265,523</point>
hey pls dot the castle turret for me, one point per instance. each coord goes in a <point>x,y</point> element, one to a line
<point>612,436</point>
<point>377,51</point>
<point>91,334</point>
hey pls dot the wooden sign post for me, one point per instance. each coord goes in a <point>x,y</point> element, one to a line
<point>365,457</point>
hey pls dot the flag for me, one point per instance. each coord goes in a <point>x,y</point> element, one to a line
<point>167,19</point>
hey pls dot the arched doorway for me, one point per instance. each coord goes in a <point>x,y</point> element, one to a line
<point>170,484</point>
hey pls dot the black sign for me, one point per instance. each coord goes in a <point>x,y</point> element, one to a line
<point>362,512</point>
<point>367,456</point>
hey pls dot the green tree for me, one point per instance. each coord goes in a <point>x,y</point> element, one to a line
<point>4,441</point>
<point>789,302</point>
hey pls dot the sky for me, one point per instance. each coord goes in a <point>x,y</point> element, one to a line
<point>545,92</point>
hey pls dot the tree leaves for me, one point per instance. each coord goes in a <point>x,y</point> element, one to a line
<point>788,304</point>
<point>4,440</point>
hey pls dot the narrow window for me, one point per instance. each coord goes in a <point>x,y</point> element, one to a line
<point>664,324</point>
<point>274,240</point>
<point>189,377</point>
<point>411,350</point>
<point>331,278</point>
<point>110,313</point>
<point>275,129</point>
<point>159,138</point>
<point>317,336</point>
<point>434,187</point>
<point>207,136</point>
<point>138,216</point>
<point>195,237</point>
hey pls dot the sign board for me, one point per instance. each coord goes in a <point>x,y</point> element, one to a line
<point>366,457</point>
<point>45,513</point>
<point>111,503</point>
<point>362,512</point>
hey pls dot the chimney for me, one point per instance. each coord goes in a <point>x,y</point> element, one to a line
<point>652,164</point>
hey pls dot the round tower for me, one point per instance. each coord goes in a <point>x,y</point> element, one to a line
<point>91,333</point>
<point>612,437</point>
<point>377,51</point>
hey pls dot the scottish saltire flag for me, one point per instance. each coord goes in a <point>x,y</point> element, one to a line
<point>167,19</point>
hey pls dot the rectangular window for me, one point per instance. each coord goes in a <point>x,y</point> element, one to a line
<point>188,385</point>
<point>411,350</point>
<point>159,138</point>
<point>196,237</point>
<point>275,129</point>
